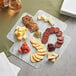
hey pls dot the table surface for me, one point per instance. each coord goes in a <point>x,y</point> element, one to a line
<point>67,63</point>
<point>65,66</point>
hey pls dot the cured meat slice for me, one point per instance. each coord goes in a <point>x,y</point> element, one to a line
<point>60,38</point>
<point>58,45</point>
<point>46,34</point>
<point>57,29</point>
<point>44,40</point>
<point>52,30</point>
<point>59,34</point>
<point>47,30</point>
<point>58,41</point>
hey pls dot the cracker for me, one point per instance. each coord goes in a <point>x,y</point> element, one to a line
<point>39,57</point>
<point>41,53</point>
<point>32,59</point>
<point>36,59</point>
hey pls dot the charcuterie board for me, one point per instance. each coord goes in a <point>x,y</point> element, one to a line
<point>17,46</point>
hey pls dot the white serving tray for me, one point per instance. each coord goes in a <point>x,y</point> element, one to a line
<point>42,26</point>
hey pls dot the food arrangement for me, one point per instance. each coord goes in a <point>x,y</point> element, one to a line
<point>38,45</point>
<point>39,52</point>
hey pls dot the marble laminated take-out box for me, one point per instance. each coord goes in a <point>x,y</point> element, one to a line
<point>68,8</point>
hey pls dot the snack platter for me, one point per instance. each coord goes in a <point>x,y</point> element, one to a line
<point>32,49</point>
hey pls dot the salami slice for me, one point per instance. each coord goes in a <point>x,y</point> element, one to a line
<point>57,29</point>
<point>52,30</point>
<point>44,40</point>
<point>46,34</point>
<point>60,38</point>
<point>58,41</point>
<point>59,34</point>
<point>58,45</point>
<point>47,30</point>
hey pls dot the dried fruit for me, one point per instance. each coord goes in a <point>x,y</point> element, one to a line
<point>51,47</point>
<point>37,34</point>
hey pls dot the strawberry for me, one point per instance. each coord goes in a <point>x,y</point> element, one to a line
<point>24,48</point>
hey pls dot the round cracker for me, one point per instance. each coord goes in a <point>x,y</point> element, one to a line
<point>39,57</point>
<point>34,40</point>
<point>35,58</point>
<point>42,50</point>
<point>32,59</point>
<point>41,53</point>
<point>35,45</point>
